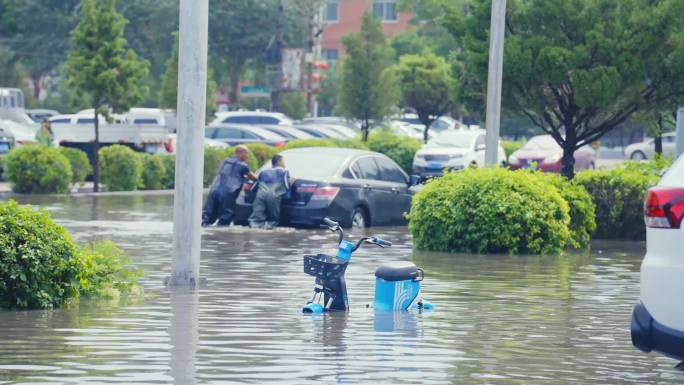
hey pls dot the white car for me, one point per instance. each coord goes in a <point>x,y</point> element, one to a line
<point>252,118</point>
<point>76,119</point>
<point>22,134</point>
<point>452,150</point>
<point>646,149</point>
<point>658,320</point>
<point>170,145</point>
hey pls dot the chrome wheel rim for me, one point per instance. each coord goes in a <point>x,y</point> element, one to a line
<point>638,156</point>
<point>358,220</point>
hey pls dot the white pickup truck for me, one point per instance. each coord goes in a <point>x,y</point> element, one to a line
<point>140,137</point>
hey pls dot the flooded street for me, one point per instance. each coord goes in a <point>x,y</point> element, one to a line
<point>499,319</point>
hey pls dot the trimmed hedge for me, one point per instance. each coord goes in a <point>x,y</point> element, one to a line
<point>80,164</point>
<point>153,172</point>
<point>490,211</point>
<point>120,168</point>
<point>398,148</point>
<point>169,180</point>
<point>38,170</point>
<point>213,158</point>
<point>262,153</point>
<point>619,197</point>
<point>41,267</point>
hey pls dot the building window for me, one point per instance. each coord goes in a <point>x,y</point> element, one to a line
<point>331,11</point>
<point>330,55</point>
<point>385,10</point>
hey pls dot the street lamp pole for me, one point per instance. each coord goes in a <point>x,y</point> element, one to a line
<point>494,80</point>
<point>192,91</point>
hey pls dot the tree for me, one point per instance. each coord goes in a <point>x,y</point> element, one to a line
<point>240,32</point>
<point>168,92</point>
<point>577,69</point>
<point>368,92</point>
<point>100,67</point>
<point>38,33</point>
<point>425,82</point>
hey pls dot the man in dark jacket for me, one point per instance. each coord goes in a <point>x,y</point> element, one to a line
<point>274,183</point>
<point>226,187</point>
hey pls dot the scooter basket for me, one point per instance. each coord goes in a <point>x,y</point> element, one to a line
<point>322,266</point>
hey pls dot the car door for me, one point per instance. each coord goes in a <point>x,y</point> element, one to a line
<point>395,191</point>
<point>366,170</point>
<point>479,149</point>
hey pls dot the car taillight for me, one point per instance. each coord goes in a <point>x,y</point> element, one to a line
<point>280,144</point>
<point>664,207</point>
<point>168,145</point>
<point>325,193</point>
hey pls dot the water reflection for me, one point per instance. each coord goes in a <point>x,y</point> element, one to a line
<point>499,319</point>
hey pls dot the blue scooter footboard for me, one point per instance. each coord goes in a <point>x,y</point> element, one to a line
<point>395,295</point>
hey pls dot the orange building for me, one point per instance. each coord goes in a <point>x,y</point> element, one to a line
<point>341,17</point>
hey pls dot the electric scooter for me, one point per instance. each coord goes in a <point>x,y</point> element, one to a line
<point>397,284</point>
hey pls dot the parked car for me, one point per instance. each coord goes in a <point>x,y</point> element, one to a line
<point>402,128</point>
<point>452,150</point>
<point>234,134</point>
<point>646,149</point>
<point>334,120</point>
<point>6,141</point>
<point>355,187</point>
<point>252,118</point>
<point>23,134</point>
<point>658,320</point>
<point>320,132</point>
<point>444,123</point>
<point>38,115</point>
<point>288,132</point>
<point>543,151</point>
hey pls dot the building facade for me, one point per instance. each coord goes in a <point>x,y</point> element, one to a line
<point>342,17</point>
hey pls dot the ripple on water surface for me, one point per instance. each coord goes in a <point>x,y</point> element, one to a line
<point>500,319</point>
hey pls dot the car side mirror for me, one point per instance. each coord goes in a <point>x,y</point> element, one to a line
<point>480,147</point>
<point>414,180</point>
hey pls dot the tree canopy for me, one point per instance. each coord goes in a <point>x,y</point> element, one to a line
<point>426,84</point>
<point>577,69</point>
<point>368,91</point>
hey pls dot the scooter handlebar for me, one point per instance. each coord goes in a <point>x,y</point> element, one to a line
<point>382,242</point>
<point>330,223</point>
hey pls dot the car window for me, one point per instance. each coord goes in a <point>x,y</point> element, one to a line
<point>674,177</point>
<point>251,120</point>
<point>85,121</point>
<point>480,141</point>
<point>439,125</point>
<point>60,121</point>
<point>249,135</point>
<point>389,172</point>
<point>669,138</point>
<point>227,133</point>
<point>145,121</point>
<point>368,169</point>
<point>209,132</point>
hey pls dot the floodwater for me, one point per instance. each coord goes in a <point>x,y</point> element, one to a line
<point>499,319</point>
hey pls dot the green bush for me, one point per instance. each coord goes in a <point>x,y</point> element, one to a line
<point>262,153</point>
<point>41,267</point>
<point>120,168</point>
<point>652,167</point>
<point>80,164</point>
<point>582,209</point>
<point>293,104</point>
<point>511,146</point>
<point>619,197</point>
<point>400,149</point>
<point>153,172</point>
<point>169,179</point>
<point>490,211</point>
<point>38,170</point>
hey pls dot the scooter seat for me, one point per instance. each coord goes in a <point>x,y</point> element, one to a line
<point>398,271</point>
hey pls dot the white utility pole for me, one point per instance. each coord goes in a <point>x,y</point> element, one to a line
<point>494,80</point>
<point>680,132</point>
<point>192,92</point>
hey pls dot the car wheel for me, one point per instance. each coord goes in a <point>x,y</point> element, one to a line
<point>638,155</point>
<point>359,219</point>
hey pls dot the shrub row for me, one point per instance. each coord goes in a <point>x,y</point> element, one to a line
<point>501,211</point>
<point>619,197</point>
<point>41,267</point>
<point>38,170</point>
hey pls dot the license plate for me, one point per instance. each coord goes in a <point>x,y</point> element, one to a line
<point>435,166</point>
<point>4,147</point>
